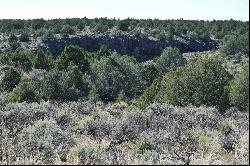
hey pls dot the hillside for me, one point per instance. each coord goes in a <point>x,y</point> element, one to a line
<point>109,91</point>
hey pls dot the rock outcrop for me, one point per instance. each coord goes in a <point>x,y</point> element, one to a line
<point>142,49</point>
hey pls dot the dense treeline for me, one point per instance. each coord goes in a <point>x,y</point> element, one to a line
<point>162,29</point>
<point>108,77</point>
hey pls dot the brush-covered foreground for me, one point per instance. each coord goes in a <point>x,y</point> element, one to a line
<point>84,133</point>
<point>87,91</point>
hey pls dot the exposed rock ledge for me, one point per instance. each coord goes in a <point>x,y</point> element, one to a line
<point>142,49</point>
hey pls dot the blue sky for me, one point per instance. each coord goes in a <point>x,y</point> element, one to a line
<point>162,9</point>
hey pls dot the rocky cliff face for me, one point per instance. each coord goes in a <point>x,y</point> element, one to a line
<point>142,49</point>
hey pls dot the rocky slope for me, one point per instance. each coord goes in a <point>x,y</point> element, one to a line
<point>142,49</point>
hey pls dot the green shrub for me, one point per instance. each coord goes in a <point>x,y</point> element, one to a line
<point>101,28</point>
<point>239,90</point>
<point>15,46</point>
<point>170,58</point>
<point>48,36</point>
<point>38,23</point>
<point>192,35</point>
<point>107,79</point>
<point>67,29</point>
<point>116,73</point>
<point>12,38</point>
<point>21,60</point>
<point>104,51</point>
<point>52,86</point>
<point>75,55</point>
<point>75,84</point>
<point>150,73</point>
<point>65,36</point>
<point>42,60</point>
<point>123,25</point>
<point>10,80</point>
<point>149,94</point>
<point>24,92</point>
<point>24,37</point>
<point>121,97</point>
<point>18,59</point>
<point>4,59</point>
<point>93,95</point>
<point>201,82</point>
<point>161,36</point>
<point>234,44</point>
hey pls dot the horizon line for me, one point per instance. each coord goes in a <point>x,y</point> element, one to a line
<point>117,18</point>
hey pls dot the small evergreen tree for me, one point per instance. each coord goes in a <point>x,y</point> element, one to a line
<point>12,38</point>
<point>75,55</point>
<point>121,97</point>
<point>170,58</point>
<point>24,37</point>
<point>23,93</point>
<point>123,25</point>
<point>21,60</point>
<point>201,81</point>
<point>67,29</point>
<point>10,80</point>
<point>239,90</point>
<point>41,61</point>
<point>94,95</point>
